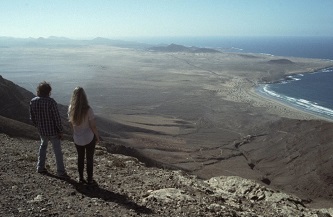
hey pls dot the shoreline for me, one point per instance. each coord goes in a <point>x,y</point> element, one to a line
<point>309,115</point>
<point>251,92</point>
<point>291,74</point>
<point>280,98</point>
<point>246,92</point>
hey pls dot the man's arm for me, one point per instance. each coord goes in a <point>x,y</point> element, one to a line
<point>56,116</point>
<point>32,115</point>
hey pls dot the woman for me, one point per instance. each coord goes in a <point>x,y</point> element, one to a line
<point>85,134</point>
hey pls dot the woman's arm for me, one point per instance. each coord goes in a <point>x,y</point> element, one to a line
<point>92,124</point>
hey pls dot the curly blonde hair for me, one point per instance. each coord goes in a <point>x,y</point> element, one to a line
<point>78,106</point>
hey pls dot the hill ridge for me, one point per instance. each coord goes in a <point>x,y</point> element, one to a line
<point>181,48</point>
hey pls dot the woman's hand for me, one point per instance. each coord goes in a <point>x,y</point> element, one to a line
<point>97,139</point>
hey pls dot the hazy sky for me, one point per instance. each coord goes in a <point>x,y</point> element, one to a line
<point>131,18</point>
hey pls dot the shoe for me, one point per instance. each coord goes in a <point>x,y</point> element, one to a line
<point>82,181</point>
<point>92,183</point>
<point>64,176</point>
<point>42,171</point>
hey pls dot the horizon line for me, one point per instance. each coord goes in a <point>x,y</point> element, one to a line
<point>180,36</point>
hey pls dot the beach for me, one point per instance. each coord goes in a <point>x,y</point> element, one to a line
<point>198,112</point>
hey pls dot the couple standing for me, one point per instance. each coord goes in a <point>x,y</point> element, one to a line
<point>45,116</point>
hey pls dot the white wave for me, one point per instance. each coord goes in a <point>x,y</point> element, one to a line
<point>324,109</point>
<point>327,70</point>
<point>293,78</point>
<point>304,101</point>
<point>267,54</point>
<point>299,103</point>
<point>236,48</point>
<point>270,92</point>
<point>311,106</point>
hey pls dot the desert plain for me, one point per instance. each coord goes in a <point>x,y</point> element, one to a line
<point>198,112</point>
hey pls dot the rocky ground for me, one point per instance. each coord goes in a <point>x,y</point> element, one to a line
<point>126,187</point>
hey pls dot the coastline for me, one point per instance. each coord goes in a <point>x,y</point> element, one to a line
<point>301,105</point>
<point>251,91</point>
<point>304,113</point>
<point>246,92</point>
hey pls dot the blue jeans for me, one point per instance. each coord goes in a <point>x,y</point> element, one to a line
<point>57,152</point>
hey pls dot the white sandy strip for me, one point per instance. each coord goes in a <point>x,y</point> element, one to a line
<point>242,90</point>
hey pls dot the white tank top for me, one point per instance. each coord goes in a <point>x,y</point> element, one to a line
<point>83,134</point>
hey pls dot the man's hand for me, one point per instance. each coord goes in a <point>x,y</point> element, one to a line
<point>61,136</point>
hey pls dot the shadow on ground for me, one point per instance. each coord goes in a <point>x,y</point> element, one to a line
<point>106,195</point>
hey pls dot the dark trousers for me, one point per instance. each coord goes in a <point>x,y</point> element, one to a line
<point>88,151</point>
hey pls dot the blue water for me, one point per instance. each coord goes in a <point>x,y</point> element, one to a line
<point>307,47</point>
<point>312,92</point>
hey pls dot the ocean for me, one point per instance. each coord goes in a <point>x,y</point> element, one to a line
<point>307,47</point>
<point>312,92</point>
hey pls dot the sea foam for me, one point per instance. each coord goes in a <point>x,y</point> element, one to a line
<point>303,104</point>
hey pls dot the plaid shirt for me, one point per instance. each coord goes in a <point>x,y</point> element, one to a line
<point>44,114</point>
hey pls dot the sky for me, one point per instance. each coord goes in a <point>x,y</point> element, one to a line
<point>85,19</point>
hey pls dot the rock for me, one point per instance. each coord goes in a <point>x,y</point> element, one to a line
<point>37,199</point>
<point>168,194</point>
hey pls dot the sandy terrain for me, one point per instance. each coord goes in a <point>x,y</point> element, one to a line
<point>185,110</point>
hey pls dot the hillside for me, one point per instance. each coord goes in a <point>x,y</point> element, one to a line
<point>14,102</point>
<point>127,187</point>
<point>281,61</point>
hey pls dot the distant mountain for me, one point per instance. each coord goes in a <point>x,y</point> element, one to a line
<point>58,38</point>
<point>181,48</point>
<point>170,48</point>
<point>205,50</point>
<point>281,61</point>
<point>117,43</point>
<point>54,41</point>
<point>102,40</point>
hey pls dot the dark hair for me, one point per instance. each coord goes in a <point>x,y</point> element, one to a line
<point>44,89</point>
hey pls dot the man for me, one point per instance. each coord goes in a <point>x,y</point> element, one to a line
<point>44,114</point>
